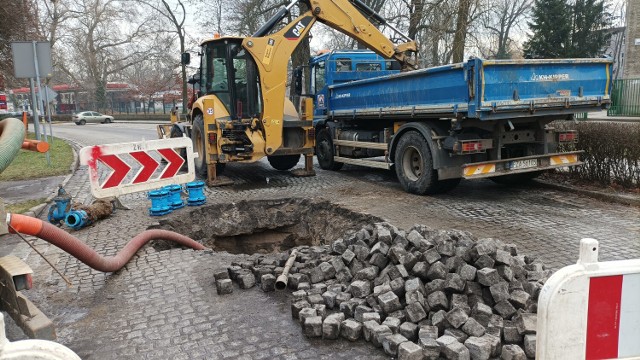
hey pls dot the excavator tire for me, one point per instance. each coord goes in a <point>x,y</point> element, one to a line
<point>199,146</point>
<point>177,133</point>
<point>283,162</point>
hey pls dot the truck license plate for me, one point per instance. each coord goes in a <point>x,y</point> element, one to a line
<point>523,164</point>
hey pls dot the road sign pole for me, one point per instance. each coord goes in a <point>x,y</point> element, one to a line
<point>34,110</point>
<point>40,90</point>
<point>48,111</point>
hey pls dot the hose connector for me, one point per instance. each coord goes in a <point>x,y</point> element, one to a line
<point>77,219</point>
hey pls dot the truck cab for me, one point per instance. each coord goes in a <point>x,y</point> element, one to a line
<point>337,67</point>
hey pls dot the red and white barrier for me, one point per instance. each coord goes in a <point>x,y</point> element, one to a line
<point>590,310</point>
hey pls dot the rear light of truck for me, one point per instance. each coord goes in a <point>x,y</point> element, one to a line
<point>213,138</point>
<point>568,136</point>
<point>472,146</point>
<point>311,134</point>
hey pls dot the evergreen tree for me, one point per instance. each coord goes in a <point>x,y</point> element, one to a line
<point>563,30</point>
<point>589,35</point>
<point>551,26</point>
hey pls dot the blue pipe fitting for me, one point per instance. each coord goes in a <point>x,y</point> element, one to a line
<point>60,208</point>
<point>160,203</point>
<point>77,219</point>
<point>174,196</point>
<point>196,193</point>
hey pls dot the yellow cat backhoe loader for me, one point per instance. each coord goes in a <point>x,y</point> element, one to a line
<point>242,114</point>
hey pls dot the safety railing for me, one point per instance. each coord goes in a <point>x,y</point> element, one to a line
<point>625,98</point>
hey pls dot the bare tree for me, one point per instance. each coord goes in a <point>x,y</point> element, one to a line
<point>500,20</point>
<point>106,37</point>
<point>176,15</point>
<point>151,78</point>
<point>19,23</point>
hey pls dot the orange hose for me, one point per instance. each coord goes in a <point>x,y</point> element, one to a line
<point>84,253</point>
<point>25,224</point>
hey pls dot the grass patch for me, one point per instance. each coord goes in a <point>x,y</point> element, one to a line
<point>32,165</point>
<point>22,207</point>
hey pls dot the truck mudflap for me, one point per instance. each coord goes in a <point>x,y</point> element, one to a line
<point>487,169</point>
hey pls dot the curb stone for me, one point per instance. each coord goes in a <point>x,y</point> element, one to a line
<point>614,198</point>
<point>37,210</point>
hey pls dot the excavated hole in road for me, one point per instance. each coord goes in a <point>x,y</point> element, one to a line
<point>265,226</point>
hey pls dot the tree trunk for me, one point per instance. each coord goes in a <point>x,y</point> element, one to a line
<point>414,18</point>
<point>461,30</point>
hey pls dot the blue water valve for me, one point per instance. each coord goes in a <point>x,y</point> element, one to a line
<point>196,193</point>
<point>175,199</point>
<point>160,203</point>
<point>60,207</point>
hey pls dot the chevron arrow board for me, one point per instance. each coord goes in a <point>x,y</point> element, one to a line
<point>124,168</point>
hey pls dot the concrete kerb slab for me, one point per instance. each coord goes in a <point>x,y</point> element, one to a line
<point>603,196</point>
<point>37,210</point>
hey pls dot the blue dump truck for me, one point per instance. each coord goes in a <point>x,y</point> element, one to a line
<point>436,126</point>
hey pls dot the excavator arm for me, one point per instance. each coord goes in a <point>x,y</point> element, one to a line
<point>272,52</point>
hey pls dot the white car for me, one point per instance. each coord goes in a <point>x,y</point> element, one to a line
<point>84,117</point>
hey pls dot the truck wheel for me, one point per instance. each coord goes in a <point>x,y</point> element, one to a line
<point>283,162</point>
<point>325,151</point>
<point>198,139</point>
<point>414,165</point>
<point>516,179</point>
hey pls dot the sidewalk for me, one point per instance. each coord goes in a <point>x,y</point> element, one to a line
<point>602,116</point>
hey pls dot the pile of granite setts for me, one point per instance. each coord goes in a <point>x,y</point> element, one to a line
<point>417,294</point>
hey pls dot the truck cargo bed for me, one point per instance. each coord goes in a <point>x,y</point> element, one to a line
<point>480,89</point>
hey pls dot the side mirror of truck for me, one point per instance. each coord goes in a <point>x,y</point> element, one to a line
<point>185,58</point>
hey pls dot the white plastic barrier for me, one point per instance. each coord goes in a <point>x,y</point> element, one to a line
<point>590,310</point>
<point>32,349</point>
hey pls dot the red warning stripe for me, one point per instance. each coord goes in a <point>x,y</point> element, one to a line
<point>603,317</point>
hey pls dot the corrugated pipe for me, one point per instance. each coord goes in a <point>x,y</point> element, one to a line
<point>81,251</point>
<point>11,138</point>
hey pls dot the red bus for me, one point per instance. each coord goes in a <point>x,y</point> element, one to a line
<point>3,103</point>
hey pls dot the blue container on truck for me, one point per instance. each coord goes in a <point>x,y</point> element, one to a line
<point>435,126</point>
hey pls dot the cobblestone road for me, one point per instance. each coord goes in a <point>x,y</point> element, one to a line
<point>163,304</point>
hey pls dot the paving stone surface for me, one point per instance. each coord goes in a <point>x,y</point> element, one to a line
<point>164,305</point>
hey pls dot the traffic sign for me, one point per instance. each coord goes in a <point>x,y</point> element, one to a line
<point>117,169</point>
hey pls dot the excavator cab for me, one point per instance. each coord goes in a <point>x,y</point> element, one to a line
<point>229,73</point>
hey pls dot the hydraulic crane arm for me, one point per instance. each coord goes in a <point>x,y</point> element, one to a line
<point>272,52</point>
<point>348,17</point>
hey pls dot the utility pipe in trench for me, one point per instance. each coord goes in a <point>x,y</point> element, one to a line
<point>81,251</point>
